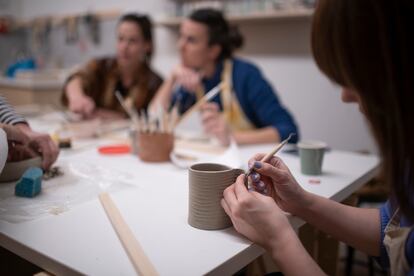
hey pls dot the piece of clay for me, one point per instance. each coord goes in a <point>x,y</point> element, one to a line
<point>52,173</point>
<point>30,184</point>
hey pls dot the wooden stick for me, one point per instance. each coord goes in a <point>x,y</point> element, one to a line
<point>165,121</point>
<point>144,121</point>
<point>208,96</point>
<point>129,110</point>
<point>142,264</point>
<point>272,152</point>
<point>174,117</point>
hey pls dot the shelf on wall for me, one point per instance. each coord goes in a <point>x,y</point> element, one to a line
<point>253,17</point>
<point>56,20</point>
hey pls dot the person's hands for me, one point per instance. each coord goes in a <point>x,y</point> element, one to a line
<point>281,184</point>
<point>15,134</point>
<point>255,216</point>
<point>18,152</point>
<point>81,104</point>
<point>215,124</point>
<point>18,144</point>
<point>78,102</point>
<point>106,115</point>
<point>42,144</point>
<point>187,77</point>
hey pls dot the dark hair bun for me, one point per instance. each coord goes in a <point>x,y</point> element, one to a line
<point>229,38</point>
<point>236,40</point>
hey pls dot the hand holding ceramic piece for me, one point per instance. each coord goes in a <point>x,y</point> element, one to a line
<point>207,181</point>
<point>12,171</point>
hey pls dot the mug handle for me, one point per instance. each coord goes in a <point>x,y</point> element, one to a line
<point>237,172</point>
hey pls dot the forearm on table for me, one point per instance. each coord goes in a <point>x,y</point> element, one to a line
<point>257,136</point>
<point>292,258</point>
<point>73,88</point>
<point>358,227</point>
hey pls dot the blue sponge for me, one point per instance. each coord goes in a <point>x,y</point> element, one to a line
<point>30,184</point>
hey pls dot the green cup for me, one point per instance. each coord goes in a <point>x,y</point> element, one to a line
<point>311,156</point>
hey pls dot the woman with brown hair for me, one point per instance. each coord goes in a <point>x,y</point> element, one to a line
<point>365,46</point>
<point>91,91</point>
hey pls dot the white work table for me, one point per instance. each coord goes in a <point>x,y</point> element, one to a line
<point>83,241</point>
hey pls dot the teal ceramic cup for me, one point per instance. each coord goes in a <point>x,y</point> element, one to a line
<point>311,156</point>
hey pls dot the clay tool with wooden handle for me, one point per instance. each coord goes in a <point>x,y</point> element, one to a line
<point>140,261</point>
<point>207,97</point>
<point>268,156</point>
<point>130,111</point>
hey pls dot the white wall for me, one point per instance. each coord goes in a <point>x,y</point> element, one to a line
<point>14,43</point>
<point>280,48</point>
<point>8,7</point>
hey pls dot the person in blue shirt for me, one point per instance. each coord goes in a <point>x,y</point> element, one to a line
<point>247,107</point>
<point>367,48</point>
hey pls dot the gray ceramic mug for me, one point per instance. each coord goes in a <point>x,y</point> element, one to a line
<point>311,156</point>
<point>207,182</point>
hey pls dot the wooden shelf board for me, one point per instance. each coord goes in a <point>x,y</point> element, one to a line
<point>253,17</point>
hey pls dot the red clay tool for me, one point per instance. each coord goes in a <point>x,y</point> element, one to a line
<point>115,149</point>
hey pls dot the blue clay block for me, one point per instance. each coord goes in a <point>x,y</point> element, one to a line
<point>30,184</point>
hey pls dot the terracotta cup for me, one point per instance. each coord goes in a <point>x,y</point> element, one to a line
<point>207,181</point>
<point>155,147</point>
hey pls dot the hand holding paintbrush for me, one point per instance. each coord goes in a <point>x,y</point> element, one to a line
<point>266,158</point>
<point>207,97</point>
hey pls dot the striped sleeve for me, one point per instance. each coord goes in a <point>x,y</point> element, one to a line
<point>8,115</point>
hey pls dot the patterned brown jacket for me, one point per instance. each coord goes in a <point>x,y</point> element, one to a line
<point>100,79</point>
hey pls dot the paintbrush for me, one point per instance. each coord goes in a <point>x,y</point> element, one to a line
<point>268,156</point>
<point>174,117</point>
<point>131,113</point>
<point>207,97</point>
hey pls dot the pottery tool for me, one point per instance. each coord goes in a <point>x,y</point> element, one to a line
<point>268,156</point>
<point>130,111</point>
<point>144,121</point>
<point>174,117</point>
<point>114,149</point>
<point>142,264</point>
<point>207,97</point>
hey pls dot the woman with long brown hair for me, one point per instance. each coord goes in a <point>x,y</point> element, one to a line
<point>91,91</point>
<point>365,46</point>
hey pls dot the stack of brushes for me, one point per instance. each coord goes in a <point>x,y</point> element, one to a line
<point>161,122</point>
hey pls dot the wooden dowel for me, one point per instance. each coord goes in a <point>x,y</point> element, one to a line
<point>140,261</point>
<point>208,96</point>
<point>174,117</point>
